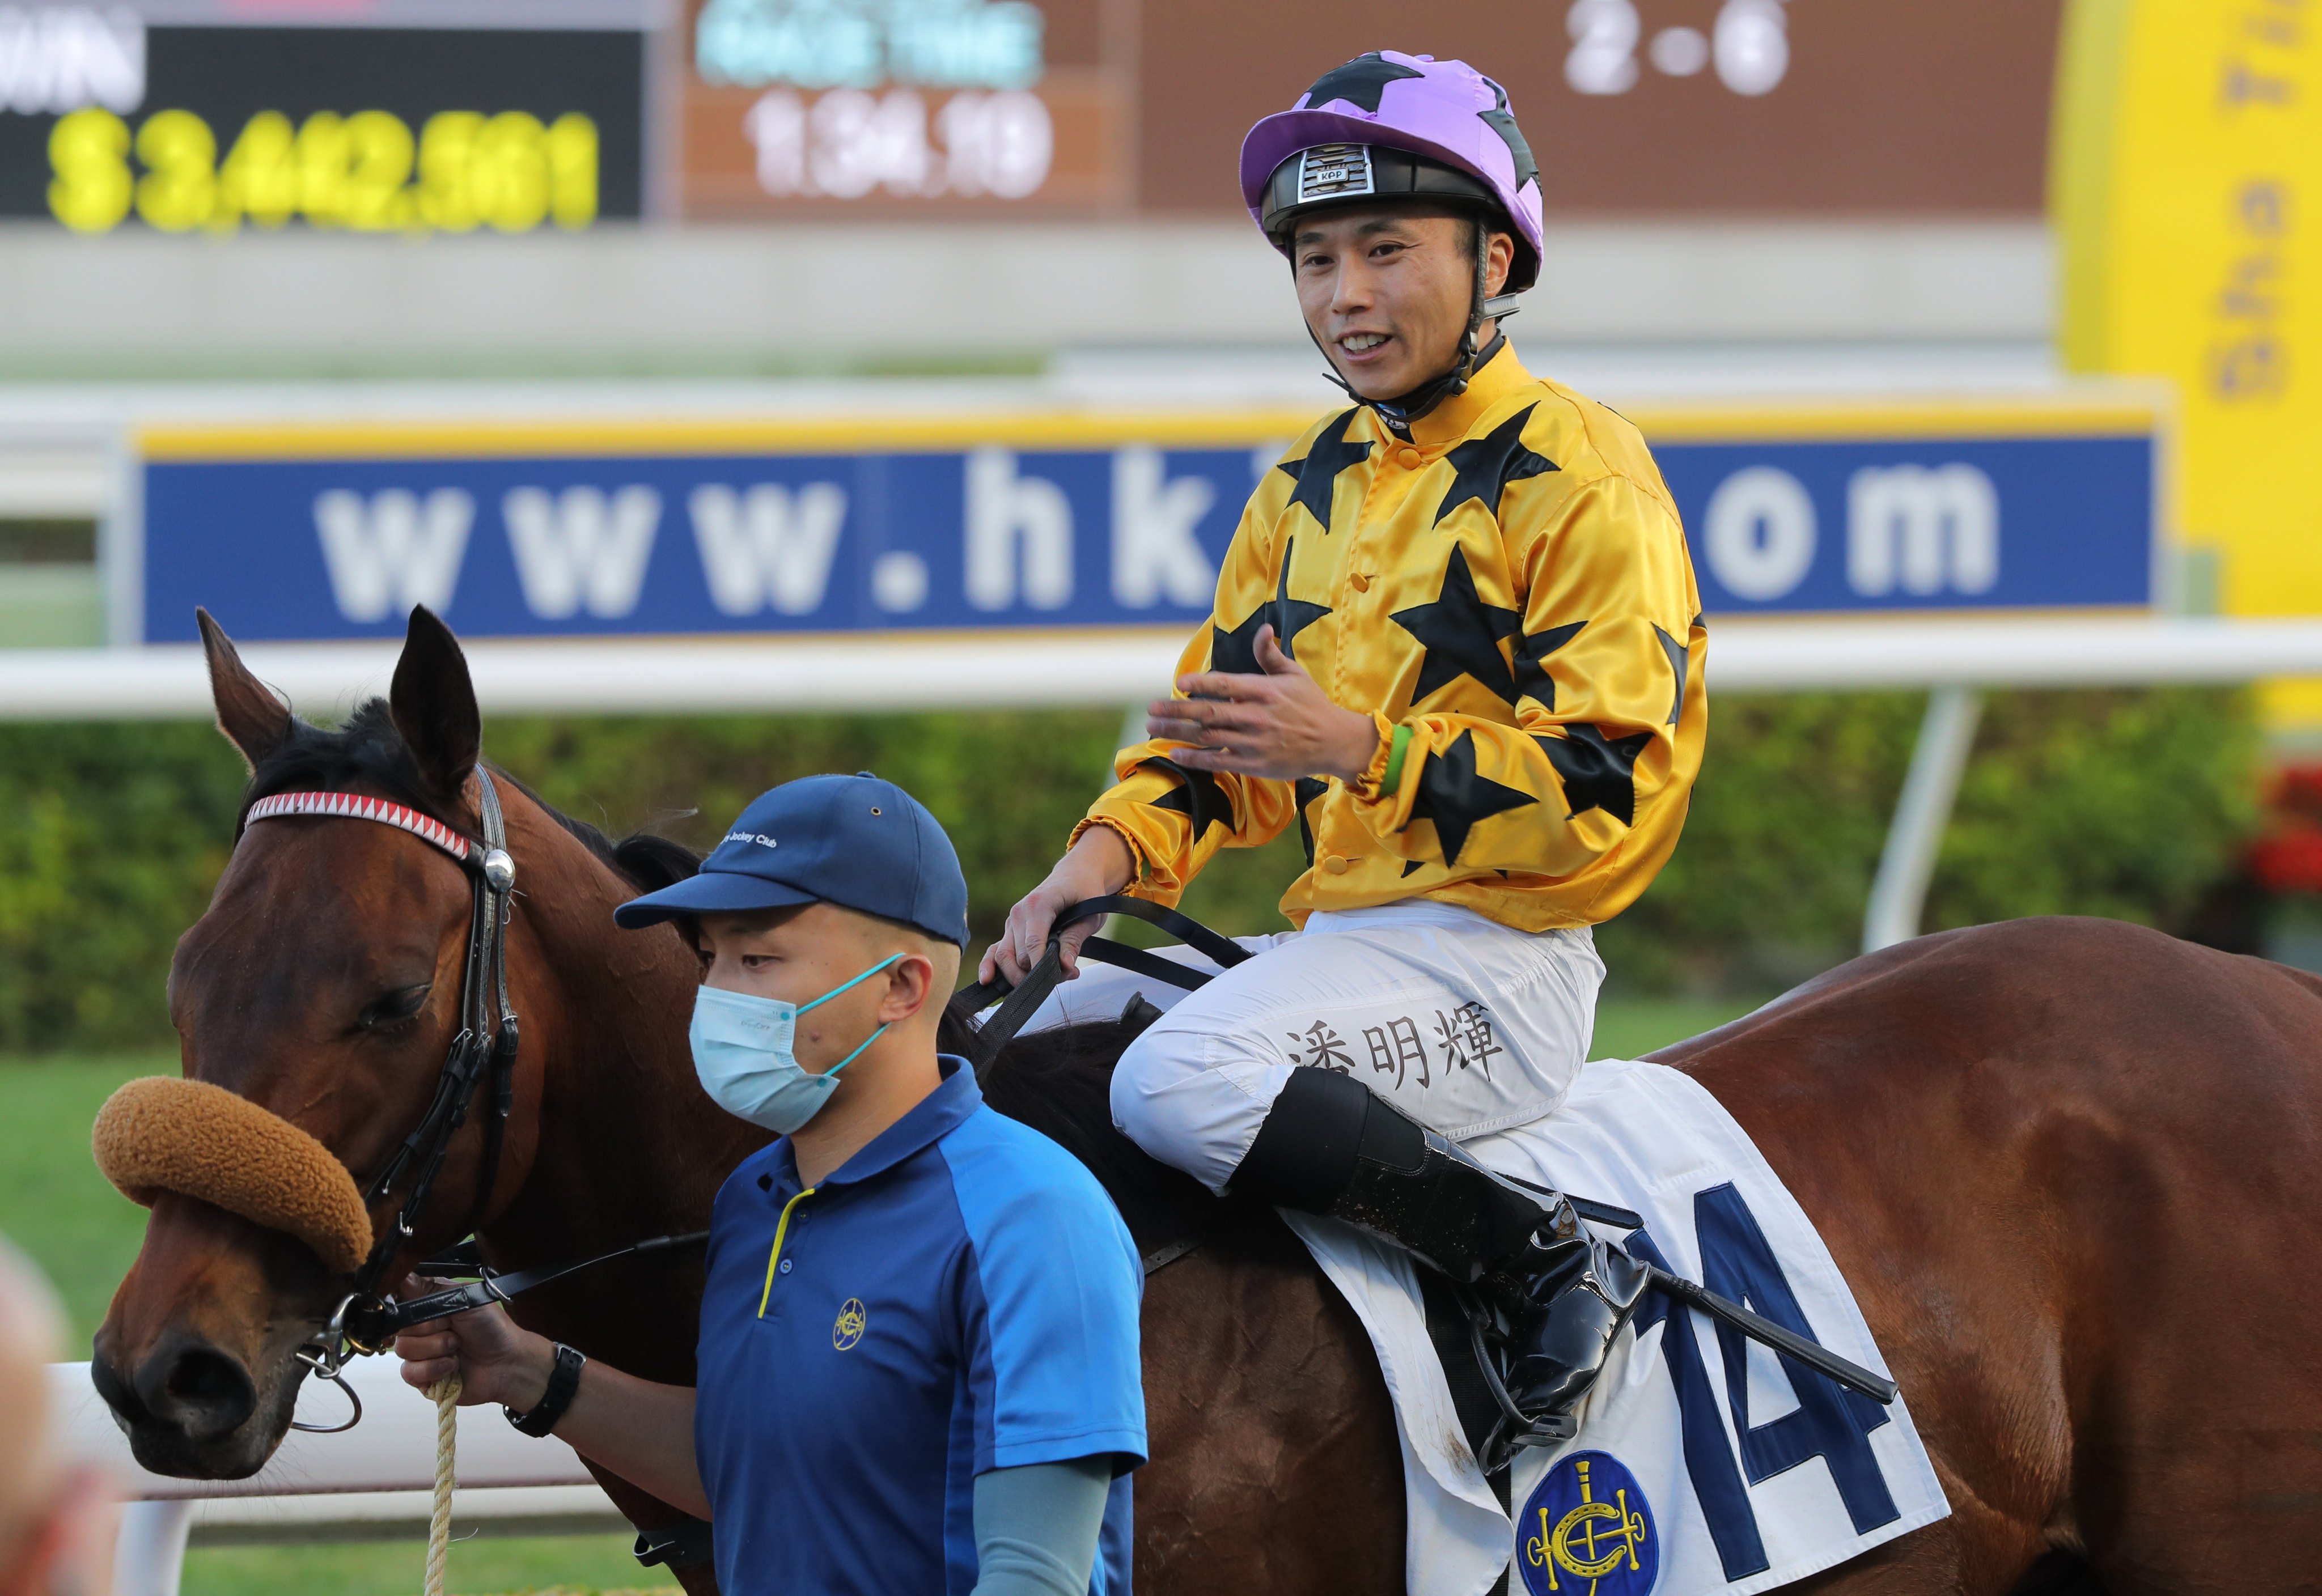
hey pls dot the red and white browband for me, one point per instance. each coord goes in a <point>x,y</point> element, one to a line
<point>354,806</point>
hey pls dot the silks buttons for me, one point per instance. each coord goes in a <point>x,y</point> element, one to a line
<point>1336,863</point>
<point>1407,457</point>
<point>1361,581</point>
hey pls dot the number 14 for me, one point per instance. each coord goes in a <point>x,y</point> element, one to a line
<point>1830,1422</point>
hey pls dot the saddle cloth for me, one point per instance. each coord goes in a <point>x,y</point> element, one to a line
<point>1705,1465</point>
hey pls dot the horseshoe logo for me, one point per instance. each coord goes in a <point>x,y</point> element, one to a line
<point>1588,1531</point>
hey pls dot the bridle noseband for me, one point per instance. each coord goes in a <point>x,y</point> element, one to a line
<point>484,1049</point>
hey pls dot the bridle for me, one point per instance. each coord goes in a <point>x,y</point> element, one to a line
<point>483,1050</point>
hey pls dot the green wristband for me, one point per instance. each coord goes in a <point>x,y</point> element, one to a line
<point>1393,777</point>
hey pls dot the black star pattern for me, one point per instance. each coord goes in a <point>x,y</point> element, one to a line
<point>1532,649</point>
<point>1412,867</point>
<point>1197,797</point>
<point>1453,796</point>
<point>1236,650</point>
<point>1305,791</point>
<point>1359,82</point>
<point>1676,653</point>
<point>1462,634</point>
<point>1484,466</point>
<point>1503,122</point>
<point>1599,772</point>
<point>1318,472</point>
<point>1292,615</point>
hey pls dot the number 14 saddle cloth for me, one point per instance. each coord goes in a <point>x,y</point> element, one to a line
<point>1705,1465</point>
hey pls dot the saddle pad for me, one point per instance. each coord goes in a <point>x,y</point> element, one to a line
<point>1705,1465</point>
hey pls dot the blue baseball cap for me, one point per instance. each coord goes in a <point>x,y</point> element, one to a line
<point>855,841</point>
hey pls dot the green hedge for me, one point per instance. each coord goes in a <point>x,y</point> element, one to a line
<point>2131,805</point>
<point>2126,804</point>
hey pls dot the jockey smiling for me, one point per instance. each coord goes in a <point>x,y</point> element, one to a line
<point>1458,642</point>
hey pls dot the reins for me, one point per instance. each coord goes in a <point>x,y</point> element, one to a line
<point>1018,1003</point>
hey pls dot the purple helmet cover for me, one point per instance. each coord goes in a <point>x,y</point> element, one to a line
<point>1445,110</point>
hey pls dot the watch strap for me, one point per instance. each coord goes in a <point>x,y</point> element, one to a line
<point>564,1381</point>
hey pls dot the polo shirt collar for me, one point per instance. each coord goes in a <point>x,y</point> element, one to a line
<point>1455,416</point>
<point>930,1119</point>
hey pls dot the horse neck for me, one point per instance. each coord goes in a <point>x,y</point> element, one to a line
<point>621,1143</point>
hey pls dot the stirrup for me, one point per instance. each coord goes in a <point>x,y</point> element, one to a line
<point>1591,1291</point>
<point>1513,1430</point>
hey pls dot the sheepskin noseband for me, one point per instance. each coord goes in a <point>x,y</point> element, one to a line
<point>161,1135</point>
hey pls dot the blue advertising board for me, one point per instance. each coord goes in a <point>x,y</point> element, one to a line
<point>1042,522</point>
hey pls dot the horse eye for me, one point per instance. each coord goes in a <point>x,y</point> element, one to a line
<point>394,1005</point>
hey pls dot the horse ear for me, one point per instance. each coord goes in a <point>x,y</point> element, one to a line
<point>251,716</point>
<point>433,704</point>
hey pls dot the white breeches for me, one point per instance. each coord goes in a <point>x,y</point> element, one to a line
<point>1466,1025</point>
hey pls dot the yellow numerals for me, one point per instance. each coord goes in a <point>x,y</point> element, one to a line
<point>507,171</point>
<point>356,172</point>
<point>88,151</point>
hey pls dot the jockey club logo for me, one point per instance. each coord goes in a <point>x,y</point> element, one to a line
<point>853,1318</point>
<point>1588,1531</point>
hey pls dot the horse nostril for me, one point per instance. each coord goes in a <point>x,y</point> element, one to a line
<point>196,1388</point>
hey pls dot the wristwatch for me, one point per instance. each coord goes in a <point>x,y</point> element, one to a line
<point>563,1380</point>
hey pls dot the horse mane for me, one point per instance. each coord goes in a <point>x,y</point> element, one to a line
<point>368,748</point>
<point>1059,1082</point>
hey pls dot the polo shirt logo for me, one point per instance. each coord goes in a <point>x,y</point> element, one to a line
<point>853,1318</point>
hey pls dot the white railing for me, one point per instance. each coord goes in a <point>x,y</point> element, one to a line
<point>375,1479</point>
<point>951,670</point>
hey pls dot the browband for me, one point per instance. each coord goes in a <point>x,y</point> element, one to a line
<point>354,806</point>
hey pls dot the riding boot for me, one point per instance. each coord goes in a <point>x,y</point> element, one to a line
<point>1330,1146</point>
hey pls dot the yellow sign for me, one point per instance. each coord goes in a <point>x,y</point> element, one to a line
<point>2186,187</point>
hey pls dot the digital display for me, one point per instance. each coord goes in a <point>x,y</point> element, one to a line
<point>106,121</point>
<point>903,106</point>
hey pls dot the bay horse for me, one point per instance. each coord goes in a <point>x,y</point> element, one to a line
<point>2061,1163</point>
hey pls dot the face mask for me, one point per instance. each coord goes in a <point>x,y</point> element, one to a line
<point>742,1051</point>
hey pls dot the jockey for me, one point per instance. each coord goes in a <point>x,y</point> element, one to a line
<point>1458,642</point>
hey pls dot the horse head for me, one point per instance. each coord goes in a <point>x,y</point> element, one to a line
<point>324,986</point>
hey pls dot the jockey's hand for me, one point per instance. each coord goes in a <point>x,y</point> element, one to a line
<point>495,1359</point>
<point>1098,866</point>
<point>1279,724</point>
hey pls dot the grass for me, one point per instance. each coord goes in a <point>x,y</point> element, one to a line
<point>1631,1028</point>
<point>53,1204</point>
<point>562,1565</point>
<point>56,1206</point>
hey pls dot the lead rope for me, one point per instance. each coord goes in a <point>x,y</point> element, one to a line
<point>446,1392</point>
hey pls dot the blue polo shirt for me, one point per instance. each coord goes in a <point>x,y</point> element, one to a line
<point>959,1296</point>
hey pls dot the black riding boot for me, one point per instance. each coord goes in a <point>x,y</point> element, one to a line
<point>1330,1146</point>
